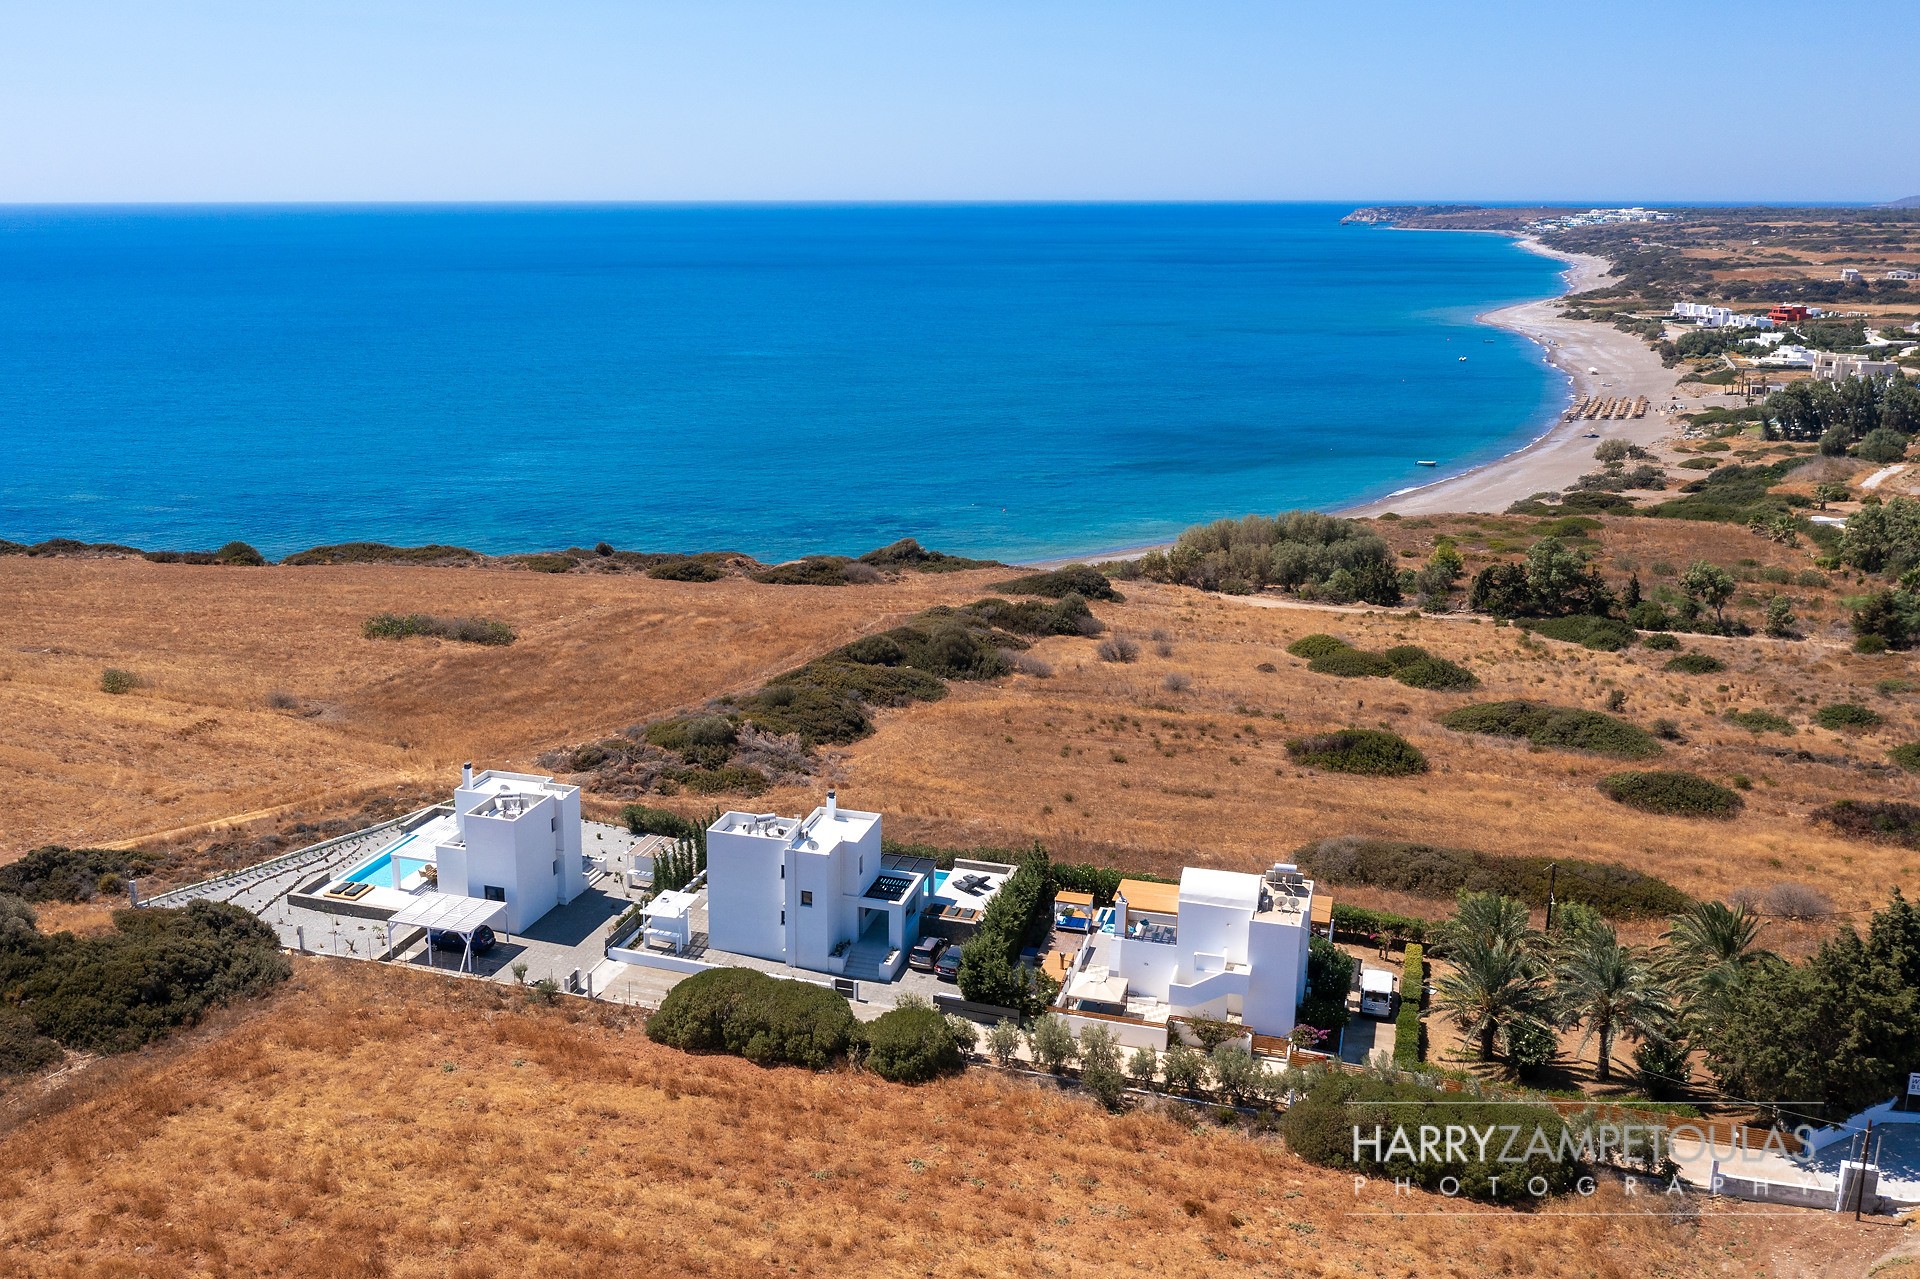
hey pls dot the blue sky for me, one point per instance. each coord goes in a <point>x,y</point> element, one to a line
<point>930,100</point>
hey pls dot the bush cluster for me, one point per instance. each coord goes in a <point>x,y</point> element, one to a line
<point>1907,756</point>
<point>1358,921</point>
<point>59,874</point>
<point>1696,664</point>
<point>1605,634</point>
<point>1409,1034</point>
<point>1374,752</point>
<point>912,1046</point>
<point>1845,715</point>
<point>1883,821</point>
<point>817,570</point>
<point>1313,555</point>
<point>1761,722</point>
<point>688,568</point>
<point>1320,1129</point>
<point>1075,579</point>
<point>1409,663</point>
<point>767,1020</point>
<point>466,630</point>
<point>1556,727</point>
<point>909,554</point>
<point>381,553</point>
<point>1673,794</point>
<point>116,681</point>
<point>158,969</point>
<point>1428,870</point>
<point>237,554</point>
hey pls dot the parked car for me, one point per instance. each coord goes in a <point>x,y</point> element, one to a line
<point>948,968</point>
<point>482,940</point>
<point>1376,993</point>
<point>926,953</point>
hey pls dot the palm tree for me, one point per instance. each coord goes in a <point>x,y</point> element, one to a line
<point>1609,988</point>
<point>1493,987</point>
<point>1488,919</point>
<point>1710,952</point>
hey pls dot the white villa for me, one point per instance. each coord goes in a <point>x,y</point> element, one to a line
<point>816,893</point>
<point>1223,944</point>
<point>512,839</point>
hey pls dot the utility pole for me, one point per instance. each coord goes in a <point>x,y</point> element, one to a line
<point>1860,1177</point>
<point>1553,877</point>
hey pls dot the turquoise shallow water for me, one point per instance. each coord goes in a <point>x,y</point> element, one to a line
<point>1017,381</point>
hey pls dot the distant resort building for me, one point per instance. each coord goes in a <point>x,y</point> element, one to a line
<point>1222,944</point>
<point>1901,273</point>
<point>1791,313</point>
<point>1829,367</point>
<point>1599,217</point>
<point>1718,317</point>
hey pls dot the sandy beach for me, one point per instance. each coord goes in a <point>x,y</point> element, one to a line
<point>1627,366</point>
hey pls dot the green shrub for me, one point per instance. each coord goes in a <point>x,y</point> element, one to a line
<point>1406,655</point>
<point>58,874</point>
<point>1695,664</point>
<point>1317,646</point>
<point>237,554</point>
<point>911,1046</point>
<point>1673,794</point>
<point>990,968</point>
<point>158,969</point>
<point>1556,727</point>
<point>1074,579</point>
<point>116,681</point>
<point>1361,922</point>
<point>1069,615</point>
<point>686,568</point>
<point>23,1050</point>
<point>1370,751</point>
<point>1607,634</point>
<point>381,553</point>
<point>1884,821</point>
<point>1907,756</point>
<point>1428,870</point>
<point>1762,722</point>
<point>465,630</point>
<point>814,570</point>
<point>1320,1127</point>
<point>542,563</point>
<point>1351,663</point>
<point>1409,1048</point>
<point>1661,642</point>
<point>909,554</point>
<point>1843,715</point>
<point>1438,675</point>
<point>767,1020</point>
<point>642,820</point>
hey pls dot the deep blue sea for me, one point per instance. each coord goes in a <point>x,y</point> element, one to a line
<point>1016,381</point>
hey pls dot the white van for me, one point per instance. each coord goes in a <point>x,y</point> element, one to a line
<point>1376,993</point>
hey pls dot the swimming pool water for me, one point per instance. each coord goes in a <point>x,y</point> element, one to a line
<point>377,873</point>
<point>940,878</point>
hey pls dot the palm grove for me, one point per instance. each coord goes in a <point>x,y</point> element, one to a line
<point>1838,1031</point>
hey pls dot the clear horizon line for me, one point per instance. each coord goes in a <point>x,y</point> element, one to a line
<point>934,202</point>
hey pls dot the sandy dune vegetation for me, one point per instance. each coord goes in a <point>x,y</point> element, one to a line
<point>373,1123</point>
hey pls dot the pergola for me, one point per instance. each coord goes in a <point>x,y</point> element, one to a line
<point>668,919</point>
<point>447,913</point>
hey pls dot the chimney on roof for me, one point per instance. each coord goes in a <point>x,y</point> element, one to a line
<point>833,805</point>
<point>466,773</point>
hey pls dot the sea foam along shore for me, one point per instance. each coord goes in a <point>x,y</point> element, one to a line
<point>1561,453</point>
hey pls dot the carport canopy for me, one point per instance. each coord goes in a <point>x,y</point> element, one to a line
<point>447,913</point>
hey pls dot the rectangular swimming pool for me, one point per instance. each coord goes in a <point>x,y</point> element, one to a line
<point>378,872</point>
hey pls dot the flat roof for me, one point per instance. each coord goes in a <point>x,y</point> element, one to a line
<point>1230,888</point>
<point>1065,898</point>
<point>1144,894</point>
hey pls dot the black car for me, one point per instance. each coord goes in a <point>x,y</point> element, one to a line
<point>926,953</point>
<point>947,968</point>
<point>482,940</point>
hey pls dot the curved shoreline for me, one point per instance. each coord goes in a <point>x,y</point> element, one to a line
<point>1560,452</point>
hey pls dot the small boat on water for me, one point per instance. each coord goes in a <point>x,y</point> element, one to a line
<point>1463,359</point>
<point>1424,462</point>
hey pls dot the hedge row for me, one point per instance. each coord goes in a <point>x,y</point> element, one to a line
<point>1359,921</point>
<point>990,967</point>
<point>1429,870</point>
<point>1408,1030</point>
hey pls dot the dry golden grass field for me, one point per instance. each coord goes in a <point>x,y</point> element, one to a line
<point>367,1122</point>
<point>201,741</point>
<point>1165,761</point>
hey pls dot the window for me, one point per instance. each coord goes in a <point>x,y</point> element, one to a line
<point>783,919</point>
<point>493,892</point>
<point>556,865</point>
<point>806,897</point>
<point>783,870</point>
<point>553,823</point>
